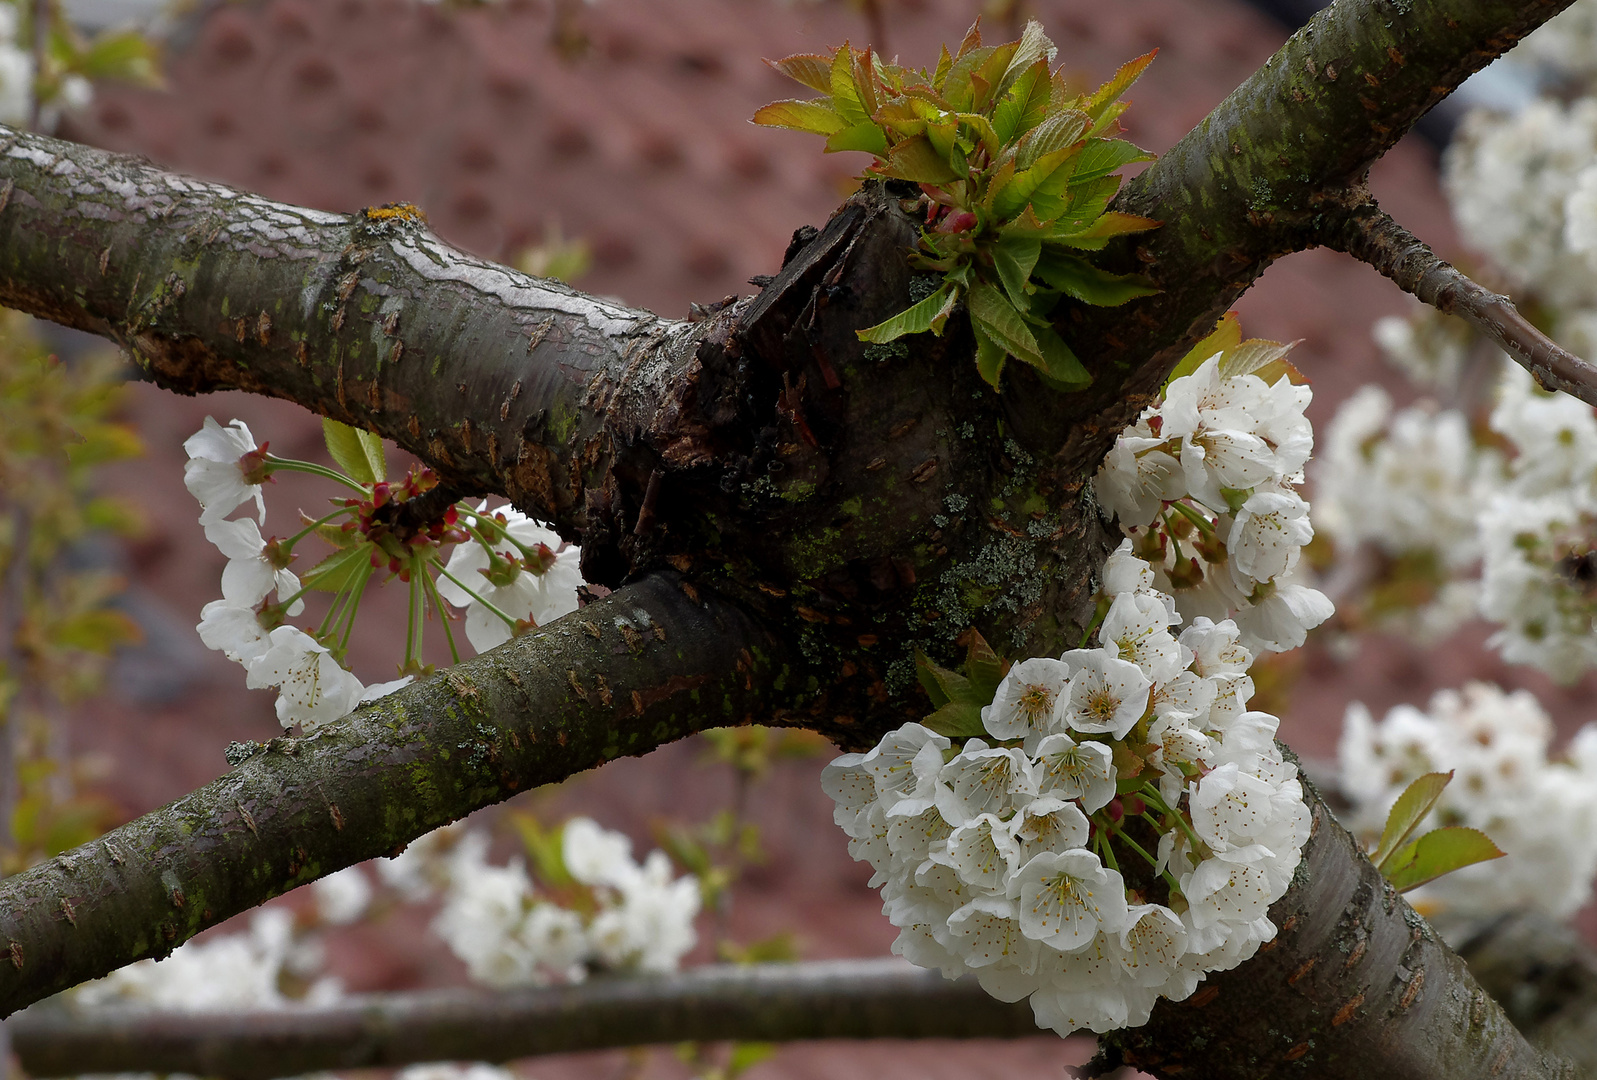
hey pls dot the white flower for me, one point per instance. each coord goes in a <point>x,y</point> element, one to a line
<point>313,689</point>
<point>537,597</point>
<point>905,763</point>
<point>1123,572</point>
<point>1282,619</point>
<point>377,691</point>
<point>851,786</point>
<point>1225,892</point>
<point>1137,478</point>
<point>982,852</point>
<point>992,935</point>
<point>250,574</point>
<point>1067,769</point>
<point>238,971</point>
<point>233,631</point>
<point>1046,824</point>
<point>1025,699</point>
<point>652,929</point>
<point>1269,531</point>
<point>1067,897</point>
<point>213,474</point>
<point>342,897</point>
<point>1151,945</point>
<point>1106,694</point>
<point>445,1070</point>
<point>979,780</point>
<point>1137,626</point>
<point>595,855</point>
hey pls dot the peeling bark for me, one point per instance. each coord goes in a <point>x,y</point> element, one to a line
<point>644,666</point>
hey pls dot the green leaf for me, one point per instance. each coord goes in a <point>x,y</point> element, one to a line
<point>359,453</point>
<point>1110,224</point>
<point>1438,852</point>
<point>1013,258</point>
<point>1044,181</point>
<point>339,570</point>
<point>930,314</point>
<point>1024,105</point>
<point>957,720</point>
<point>814,70</point>
<point>1078,278</point>
<point>1059,131</point>
<point>990,357</point>
<point>1227,334</point>
<point>917,158</point>
<point>746,1055</point>
<point>984,668</point>
<point>98,631</point>
<point>121,55</point>
<point>924,669</point>
<point>1100,157</point>
<point>845,91</point>
<point>1032,49</point>
<point>1257,356</point>
<point>1063,370</point>
<point>815,117</point>
<point>866,136</point>
<point>993,312</point>
<point>1406,814</point>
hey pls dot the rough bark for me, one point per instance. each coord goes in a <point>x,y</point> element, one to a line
<point>835,999</point>
<point>651,663</point>
<point>1356,984</point>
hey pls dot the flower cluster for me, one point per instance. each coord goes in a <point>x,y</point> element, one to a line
<point>612,914</point>
<point>1504,784</point>
<point>507,571</point>
<point>1437,502</point>
<point>239,971</point>
<point>1119,832</point>
<point>1205,482</point>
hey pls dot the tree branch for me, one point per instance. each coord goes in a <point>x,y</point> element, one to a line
<point>1247,184</point>
<point>1355,984</point>
<point>649,664</point>
<point>835,999</point>
<point>1369,234</point>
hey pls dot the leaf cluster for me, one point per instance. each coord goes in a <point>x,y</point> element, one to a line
<point>1016,171</point>
<point>1408,864</point>
<point>957,699</point>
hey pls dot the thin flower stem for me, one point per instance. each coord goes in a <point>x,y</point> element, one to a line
<point>313,526</point>
<point>413,635</point>
<point>443,613</point>
<point>291,465</point>
<point>1151,793</point>
<point>354,604</point>
<point>475,595</point>
<point>1097,620</point>
<point>1203,523</point>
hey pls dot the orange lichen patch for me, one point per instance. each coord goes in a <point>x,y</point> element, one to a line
<point>399,211</point>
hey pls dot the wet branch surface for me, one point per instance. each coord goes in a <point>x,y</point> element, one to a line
<point>835,999</point>
<point>1370,235</point>
<point>649,664</point>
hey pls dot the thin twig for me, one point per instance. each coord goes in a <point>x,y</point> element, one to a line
<point>836,999</point>
<point>1370,235</point>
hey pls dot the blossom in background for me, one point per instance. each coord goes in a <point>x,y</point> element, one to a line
<point>1000,860</point>
<point>342,897</point>
<point>1539,809</point>
<point>238,971</point>
<point>536,593</point>
<point>215,473</point>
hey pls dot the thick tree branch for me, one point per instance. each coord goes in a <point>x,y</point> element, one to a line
<point>1369,234</point>
<point>835,999</point>
<point>649,664</point>
<point>1355,985</point>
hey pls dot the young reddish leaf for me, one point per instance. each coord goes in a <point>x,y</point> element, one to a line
<point>917,159</point>
<point>1032,48</point>
<point>929,314</point>
<point>1047,178</point>
<point>864,72</point>
<point>1118,84</point>
<point>972,39</point>
<point>1075,277</point>
<point>1406,814</point>
<point>815,117</point>
<point>1256,356</point>
<point>983,667</point>
<point>1107,126</point>
<point>814,70</point>
<point>1438,852</point>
